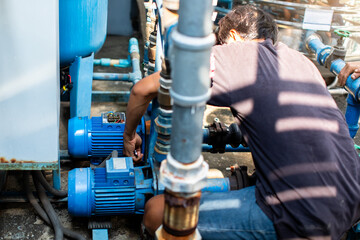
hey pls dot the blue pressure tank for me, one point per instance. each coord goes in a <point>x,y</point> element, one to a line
<point>97,137</point>
<point>82,26</point>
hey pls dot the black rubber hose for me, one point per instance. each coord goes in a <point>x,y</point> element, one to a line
<point>57,193</point>
<point>33,200</point>
<point>72,234</point>
<point>67,232</point>
<point>59,235</point>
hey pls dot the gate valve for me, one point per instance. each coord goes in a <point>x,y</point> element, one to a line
<point>338,51</point>
<point>221,134</point>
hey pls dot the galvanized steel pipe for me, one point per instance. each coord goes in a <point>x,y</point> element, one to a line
<point>192,42</point>
<point>184,171</point>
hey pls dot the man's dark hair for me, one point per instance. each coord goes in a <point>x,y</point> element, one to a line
<point>250,22</point>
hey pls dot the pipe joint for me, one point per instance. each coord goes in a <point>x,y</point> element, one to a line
<point>192,43</point>
<point>188,178</point>
<point>189,101</point>
<point>161,234</point>
<point>135,76</point>
<point>161,127</point>
<point>133,46</point>
<point>313,36</point>
<point>165,83</point>
<point>165,116</point>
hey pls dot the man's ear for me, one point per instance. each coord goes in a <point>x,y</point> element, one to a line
<point>235,36</point>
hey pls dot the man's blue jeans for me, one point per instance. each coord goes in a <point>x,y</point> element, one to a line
<point>233,215</point>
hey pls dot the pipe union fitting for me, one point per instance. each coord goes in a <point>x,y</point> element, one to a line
<point>179,177</point>
<point>309,39</point>
<point>192,43</point>
<point>190,101</point>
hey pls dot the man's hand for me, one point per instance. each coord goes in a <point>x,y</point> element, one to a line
<point>141,95</point>
<point>132,144</point>
<point>351,68</point>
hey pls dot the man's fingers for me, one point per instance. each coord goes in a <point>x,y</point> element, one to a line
<point>344,73</point>
<point>356,74</point>
<point>138,158</point>
<point>350,69</point>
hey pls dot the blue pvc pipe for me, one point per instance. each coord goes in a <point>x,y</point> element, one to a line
<point>112,76</point>
<point>320,49</point>
<point>336,66</point>
<point>105,62</point>
<point>134,76</point>
<point>322,53</point>
<point>217,185</point>
<point>134,51</point>
<point>206,135</point>
<point>352,115</point>
<point>352,86</point>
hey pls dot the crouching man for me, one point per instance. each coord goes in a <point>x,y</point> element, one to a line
<point>307,167</point>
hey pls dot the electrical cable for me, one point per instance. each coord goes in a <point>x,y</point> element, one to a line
<point>67,232</point>
<point>59,235</point>
<point>57,193</point>
<point>33,200</point>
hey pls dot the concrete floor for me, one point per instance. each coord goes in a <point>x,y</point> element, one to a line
<point>18,220</point>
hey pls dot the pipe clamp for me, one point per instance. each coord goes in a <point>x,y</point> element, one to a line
<point>192,43</point>
<point>189,101</point>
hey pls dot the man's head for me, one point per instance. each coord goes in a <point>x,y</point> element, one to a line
<point>246,23</point>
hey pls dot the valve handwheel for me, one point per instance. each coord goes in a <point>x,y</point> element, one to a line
<point>342,33</point>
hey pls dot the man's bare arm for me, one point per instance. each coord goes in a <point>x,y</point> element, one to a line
<point>140,97</point>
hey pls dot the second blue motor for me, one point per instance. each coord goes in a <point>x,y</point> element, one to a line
<point>97,137</point>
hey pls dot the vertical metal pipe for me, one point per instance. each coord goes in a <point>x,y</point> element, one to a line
<point>184,171</point>
<point>194,20</point>
<point>191,82</point>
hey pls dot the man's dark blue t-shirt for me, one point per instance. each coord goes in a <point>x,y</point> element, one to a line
<point>307,167</point>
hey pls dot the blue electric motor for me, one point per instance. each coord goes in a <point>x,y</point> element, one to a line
<point>99,136</point>
<point>120,188</point>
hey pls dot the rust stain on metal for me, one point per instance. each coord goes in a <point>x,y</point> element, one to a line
<point>13,160</point>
